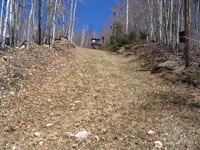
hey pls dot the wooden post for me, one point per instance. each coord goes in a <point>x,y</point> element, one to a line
<point>187,34</point>
<point>102,41</point>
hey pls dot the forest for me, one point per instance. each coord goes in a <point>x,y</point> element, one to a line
<point>38,21</point>
<point>160,21</point>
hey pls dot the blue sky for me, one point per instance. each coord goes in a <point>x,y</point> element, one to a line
<point>93,12</point>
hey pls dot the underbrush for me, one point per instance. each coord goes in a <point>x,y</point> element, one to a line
<point>121,39</point>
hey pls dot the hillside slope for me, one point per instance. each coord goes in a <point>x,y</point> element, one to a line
<point>104,94</point>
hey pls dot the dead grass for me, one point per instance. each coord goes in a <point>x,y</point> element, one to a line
<point>106,95</point>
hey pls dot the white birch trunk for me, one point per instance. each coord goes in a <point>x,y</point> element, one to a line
<point>63,21</point>
<point>161,18</point>
<point>29,24</point>
<point>70,21</point>
<point>33,26</point>
<point>54,23</point>
<point>5,24</point>
<point>178,23</point>
<point>73,23</point>
<point>83,37</point>
<point>17,24</point>
<point>127,16</point>
<point>2,6</point>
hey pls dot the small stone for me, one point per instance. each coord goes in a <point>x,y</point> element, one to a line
<point>49,125</point>
<point>97,138</point>
<point>37,133</point>
<point>69,134</point>
<point>12,93</point>
<point>48,100</point>
<point>158,144</point>
<point>151,132</point>
<point>82,134</point>
<point>14,148</point>
<point>41,143</point>
<point>74,146</point>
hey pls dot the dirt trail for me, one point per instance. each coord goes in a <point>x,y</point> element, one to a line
<point>102,93</point>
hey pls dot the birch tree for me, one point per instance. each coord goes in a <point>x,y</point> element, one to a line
<point>39,22</point>
<point>29,23</point>
<point>54,23</point>
<point>73,23</point>
<point>5,24</point>
<point>161,18</point>
<point>171,22</point>
<point>178,23</point>
<point>127,16</point>
<point>2,6</point>
<point>70,21</point>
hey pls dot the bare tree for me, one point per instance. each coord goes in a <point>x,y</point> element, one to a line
<point>70,21</point>
<point>161,18</point>
<point>127,16</point>
<point>151,19</point>
<point>48,21</point>
<point>54,22</point>
<point>29,23</point>
<point>39,22</point>
<point>2,6</point>
<point>187,34</point>
<point>5,24</point>
<point>73,23</point>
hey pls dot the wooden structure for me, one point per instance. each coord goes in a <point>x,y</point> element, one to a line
<point>95,43</point>
<point>182,36</point>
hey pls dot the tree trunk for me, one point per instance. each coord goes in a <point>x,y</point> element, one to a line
<point>73,23</point>
<point>83,36</point>
<point>178,23</point>
<point>54,23</point>
<point>29,24</point>
<point>5,24</point>
<point>187,34</point>
<point>11,34</point>
<point>70,21</point>
<point>151,19</point>
<point>127,16</point>
<point>39,22</point>
<point>2,6</point>
<point>48,22</point>
<point>161,18</point>
<point>171,22</point>
<point>63,20</point>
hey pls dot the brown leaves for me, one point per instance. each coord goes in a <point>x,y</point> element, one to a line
<point>97,92</point>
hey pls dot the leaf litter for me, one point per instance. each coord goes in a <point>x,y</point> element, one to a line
<point>102,93</point>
